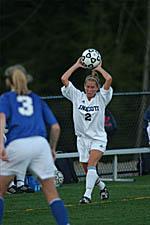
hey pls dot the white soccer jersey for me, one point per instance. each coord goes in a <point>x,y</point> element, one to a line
<point>88,116</point>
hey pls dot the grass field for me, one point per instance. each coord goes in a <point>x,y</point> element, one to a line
<point>129,204</point>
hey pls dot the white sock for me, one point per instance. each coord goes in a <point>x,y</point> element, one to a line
<point>20,182</point>
<point>100,183</point>
<point>12,183</point>
<point>91,178</point>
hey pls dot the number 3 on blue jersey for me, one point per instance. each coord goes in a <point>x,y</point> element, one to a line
<point>26,108</point>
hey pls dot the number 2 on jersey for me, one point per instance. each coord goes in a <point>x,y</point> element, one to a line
<point>88,116</point>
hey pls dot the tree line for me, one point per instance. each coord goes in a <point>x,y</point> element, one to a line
<point>48,36</point>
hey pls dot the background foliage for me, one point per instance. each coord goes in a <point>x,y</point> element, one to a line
<point>48,36</point>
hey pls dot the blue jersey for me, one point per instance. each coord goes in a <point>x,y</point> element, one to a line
<point>26,115</point>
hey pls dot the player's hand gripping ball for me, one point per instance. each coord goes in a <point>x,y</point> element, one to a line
<point>90,58</point>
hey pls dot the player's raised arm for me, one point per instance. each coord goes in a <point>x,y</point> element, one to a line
<point>106,75</point>
<point>68,73</point>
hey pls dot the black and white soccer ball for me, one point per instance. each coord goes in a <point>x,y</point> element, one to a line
<point>90,58</point>
<point>59,178</point>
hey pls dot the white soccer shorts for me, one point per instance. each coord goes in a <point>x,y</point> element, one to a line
<point>32,153</point>
<point>85,145</point>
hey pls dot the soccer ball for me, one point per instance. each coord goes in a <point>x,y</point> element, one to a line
<point>90,58</point>
<point>59,178</point>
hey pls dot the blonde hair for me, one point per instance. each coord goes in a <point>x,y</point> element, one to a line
<point>10,70</point>
<point>93,77</point>
<point>19,82</point>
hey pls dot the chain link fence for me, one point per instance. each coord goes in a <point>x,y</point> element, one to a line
<point>128,109</point>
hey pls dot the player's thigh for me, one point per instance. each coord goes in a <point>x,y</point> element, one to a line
<point>97,150</point>
<point>95,156</point>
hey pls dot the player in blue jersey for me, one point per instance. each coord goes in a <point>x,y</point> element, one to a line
<point>18,184</point>
<point>26,116</point>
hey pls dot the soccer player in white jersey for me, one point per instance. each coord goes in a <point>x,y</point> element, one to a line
<point>26,147</point>
<point>88,117</point>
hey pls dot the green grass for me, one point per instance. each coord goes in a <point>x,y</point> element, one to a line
<point>129,204</point>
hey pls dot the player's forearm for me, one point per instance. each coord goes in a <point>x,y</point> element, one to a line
<point>104,73</point>
<point>2,127</point>
<point>65,77</point>
<point>107,77</point>
<point>54,136</point>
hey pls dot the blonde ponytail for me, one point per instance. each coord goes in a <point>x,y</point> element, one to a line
<point>19,82</point>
